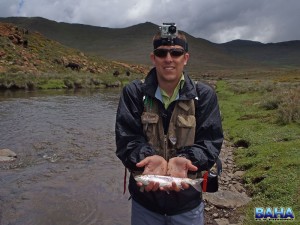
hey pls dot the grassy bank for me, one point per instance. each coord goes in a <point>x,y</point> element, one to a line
<point>262,118</point>
<point>68,80</point>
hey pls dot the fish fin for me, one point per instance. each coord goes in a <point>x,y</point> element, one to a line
<point>197,184</point>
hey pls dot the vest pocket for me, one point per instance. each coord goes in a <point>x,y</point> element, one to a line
<point>150,122</point>
<point>185,131</point>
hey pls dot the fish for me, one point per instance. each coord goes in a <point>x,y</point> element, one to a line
<point>165,181</point>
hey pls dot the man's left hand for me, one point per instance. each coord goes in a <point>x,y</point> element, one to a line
<point>179,167</point>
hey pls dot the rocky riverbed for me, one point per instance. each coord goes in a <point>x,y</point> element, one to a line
<point>222,206</point>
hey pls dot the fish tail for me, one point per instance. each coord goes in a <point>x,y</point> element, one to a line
<point>197,184</point>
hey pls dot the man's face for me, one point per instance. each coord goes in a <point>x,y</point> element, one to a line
<point>169,65</point>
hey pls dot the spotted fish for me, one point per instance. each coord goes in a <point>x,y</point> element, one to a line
<point>165,181</point>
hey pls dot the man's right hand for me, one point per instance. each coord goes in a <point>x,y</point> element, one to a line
<point>154,165</point>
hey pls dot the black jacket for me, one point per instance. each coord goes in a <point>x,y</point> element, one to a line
<point>132,146</point>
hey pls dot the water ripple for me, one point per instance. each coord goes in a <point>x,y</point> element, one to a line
<point>66,171</point>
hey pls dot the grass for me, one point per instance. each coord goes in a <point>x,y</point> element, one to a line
<point>66,80</point>
<point>271,156</point>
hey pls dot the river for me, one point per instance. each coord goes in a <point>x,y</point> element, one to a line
<point>66,172</point>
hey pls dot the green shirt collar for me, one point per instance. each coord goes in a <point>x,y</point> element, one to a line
<point>167,100</point>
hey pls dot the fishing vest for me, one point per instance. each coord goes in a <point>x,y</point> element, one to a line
<point>181,130</point>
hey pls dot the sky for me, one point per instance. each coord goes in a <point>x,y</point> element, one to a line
<point>218,21</point>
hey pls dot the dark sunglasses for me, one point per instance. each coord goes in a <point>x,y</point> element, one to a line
<point>163,52</point>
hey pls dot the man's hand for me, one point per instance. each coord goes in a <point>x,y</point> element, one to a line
<point>154,165</point>
<point>179,167</point>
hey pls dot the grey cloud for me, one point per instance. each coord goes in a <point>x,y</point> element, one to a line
<point>214,20</point>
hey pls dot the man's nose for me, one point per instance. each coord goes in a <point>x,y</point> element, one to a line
<point>169,57</point>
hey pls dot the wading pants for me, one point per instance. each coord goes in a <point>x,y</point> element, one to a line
<point>142,216</point>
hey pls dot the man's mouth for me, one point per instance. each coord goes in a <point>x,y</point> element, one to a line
<point>169,68</point>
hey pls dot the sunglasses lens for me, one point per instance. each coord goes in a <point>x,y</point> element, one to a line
<point>162,52</point>
<point>176,52</point>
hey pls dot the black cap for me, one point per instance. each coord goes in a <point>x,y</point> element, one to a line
<point>170,42</point>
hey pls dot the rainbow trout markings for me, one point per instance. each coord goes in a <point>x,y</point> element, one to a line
<point>165,181</point>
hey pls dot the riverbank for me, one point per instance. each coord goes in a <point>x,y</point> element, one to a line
<point>261,119</point>
<point>71,80</point>
<point>225,207</point>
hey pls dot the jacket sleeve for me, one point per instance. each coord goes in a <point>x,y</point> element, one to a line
<point>209,133</point>
<point>132,146</point>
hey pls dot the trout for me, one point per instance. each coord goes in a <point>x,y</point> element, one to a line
<point>165,181</point>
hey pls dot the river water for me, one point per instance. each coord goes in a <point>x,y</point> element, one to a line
<point>66,172</point>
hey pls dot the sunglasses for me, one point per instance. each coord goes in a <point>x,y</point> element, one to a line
<point>163,52</point>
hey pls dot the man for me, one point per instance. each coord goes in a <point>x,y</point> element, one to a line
<point>168,125</point>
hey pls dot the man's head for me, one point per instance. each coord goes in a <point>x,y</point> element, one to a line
<point>169,56</point>
<point>177,38</point>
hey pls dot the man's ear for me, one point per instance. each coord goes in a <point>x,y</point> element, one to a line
<point>152,57</point>
<point>186,58</point>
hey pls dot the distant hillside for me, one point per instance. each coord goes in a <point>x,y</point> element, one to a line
<point>285,54</point>
<point>26,56</point>
<point>133,45</point>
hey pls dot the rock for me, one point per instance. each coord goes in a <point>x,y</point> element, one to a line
<point>222,221</point>
<point>226,199</point>
<point>7,152</point>
<point>239,174</point>
<point>114,84</point>
<point>7,155</point>
<point>232,188</point>
<point>239,187</point>
<point>6,159</point>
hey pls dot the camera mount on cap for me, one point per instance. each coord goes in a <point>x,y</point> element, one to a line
<point>169,33</point>
<point>168,30</point>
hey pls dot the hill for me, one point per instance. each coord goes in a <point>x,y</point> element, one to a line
<point>27,56</point>
<point>133,45</point>
<point>284,54</point>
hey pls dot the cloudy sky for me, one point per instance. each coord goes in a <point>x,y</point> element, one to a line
<point>218,21</point>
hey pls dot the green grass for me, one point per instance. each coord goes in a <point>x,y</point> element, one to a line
<point>64,81</point>
<point>271,158</point>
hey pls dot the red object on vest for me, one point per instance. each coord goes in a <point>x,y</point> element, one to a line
<point>204,182</point>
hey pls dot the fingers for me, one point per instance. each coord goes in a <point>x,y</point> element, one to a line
<point>152,186</point>
<point>143,162</point>
<point>154,165</point>
<point>191,167</point>
<point>175,187</point>
<point>185,185</point>
<point>140,184</point>
<point>178,188</point>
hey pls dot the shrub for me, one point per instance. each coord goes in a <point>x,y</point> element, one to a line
<point>289,108</point>
<point>270,103</point>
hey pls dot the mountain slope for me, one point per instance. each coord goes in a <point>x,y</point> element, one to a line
<point>25,52</point>
<point>273,54</point>
<point>133,45</point>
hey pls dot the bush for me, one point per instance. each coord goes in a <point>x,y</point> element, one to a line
<point>270,103</point>
<point>289,108</point>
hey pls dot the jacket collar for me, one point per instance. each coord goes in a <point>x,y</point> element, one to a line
<point>187,92</point>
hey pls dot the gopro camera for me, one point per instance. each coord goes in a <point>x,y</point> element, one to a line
<point>168,30</point>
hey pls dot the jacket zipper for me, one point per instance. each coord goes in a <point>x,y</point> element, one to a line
<point>165,148</point>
